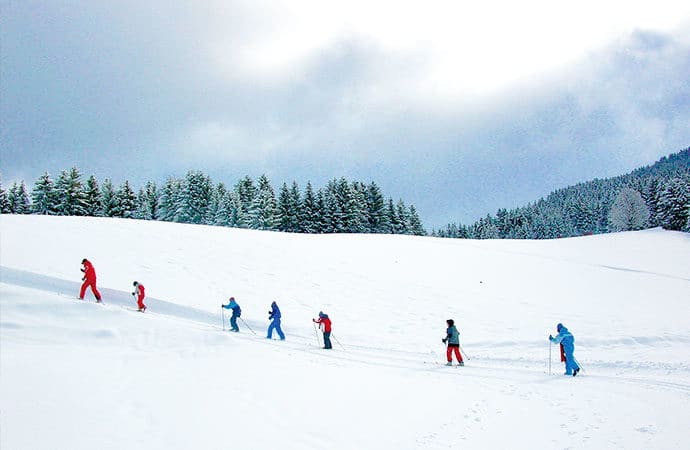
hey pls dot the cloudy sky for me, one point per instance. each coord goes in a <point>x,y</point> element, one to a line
<point>458,107</point>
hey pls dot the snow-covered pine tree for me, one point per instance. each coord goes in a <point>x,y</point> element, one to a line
<point>403,218</point>
<point>296,204</point>
<point>392,217</point>
<point>71,199</point>
<point>245,194</point>
<point>94,197</point>
<point>4,201</point>
<point>628,212</point>
<point>264,208</point>
<point>416,227</point>
<point>379,221</point>
<point>194,199</point>
<point>18,199</point>
<point>218,213</point>
<point>673,203</point>
<point>168,199</point>
<point>356,209</point>
<point>126,201</point>
<point>310,211</point>
<point>43,196</point>
<point>110,202</point>
<point>284,210</point>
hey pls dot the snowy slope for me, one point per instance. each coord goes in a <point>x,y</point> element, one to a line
<point>77,375</point>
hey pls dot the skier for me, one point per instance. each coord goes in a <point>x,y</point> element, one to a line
<point>139,293</point>
<point>89,279</point>
<point>236,312</point>
<point>274,316</point>
<point>453,340</point>
<point>567,341</point>
<point>325,324</point>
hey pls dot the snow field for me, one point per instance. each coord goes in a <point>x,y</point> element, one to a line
<point>79,375</point>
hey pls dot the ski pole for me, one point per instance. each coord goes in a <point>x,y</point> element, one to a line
<point>222,317</point>
<point>247,325</point>
<point>463,352</point>
<point>336,340</point>
<point>316,332</point>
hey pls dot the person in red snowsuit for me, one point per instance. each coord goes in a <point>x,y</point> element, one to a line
<point>139,293</point>
<point>89,280</point>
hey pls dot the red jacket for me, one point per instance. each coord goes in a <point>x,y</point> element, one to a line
<point>326,323</point>
<point>89,271</point>
<point>140,291</point>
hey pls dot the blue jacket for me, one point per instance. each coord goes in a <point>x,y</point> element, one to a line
<point>274,313</point>
<point>452,336</point>
<point>566,338</point>
<point>236,311</point>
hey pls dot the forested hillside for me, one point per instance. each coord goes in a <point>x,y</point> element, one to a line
<point>656,195</point>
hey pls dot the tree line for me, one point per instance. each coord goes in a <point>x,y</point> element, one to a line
<point>339,207</point>
<point>652,196</point>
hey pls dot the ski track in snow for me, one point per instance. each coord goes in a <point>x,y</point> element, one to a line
<point>481,367</point>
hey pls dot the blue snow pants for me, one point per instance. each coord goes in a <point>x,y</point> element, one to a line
<point>275,325</point>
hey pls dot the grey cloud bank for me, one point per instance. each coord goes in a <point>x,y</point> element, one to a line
<point>139,93</point>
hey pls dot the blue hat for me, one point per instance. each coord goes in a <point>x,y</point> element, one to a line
<point>558,327</point>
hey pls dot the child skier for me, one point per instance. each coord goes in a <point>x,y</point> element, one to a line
<point>567,341</point>
<point>453,340</point>
<point>236,312</point>
<point>274,316</point>
<point>89,279</point>
<point>139,294</point>
<point>325,324</point>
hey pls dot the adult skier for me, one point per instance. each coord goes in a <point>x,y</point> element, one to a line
<point>139,294</point>
<point>89,279</point>
<point>453,340</point>
<point>325,325</point>
<point>567,341</point>
<point>274,317</point>
<point>236,312</point>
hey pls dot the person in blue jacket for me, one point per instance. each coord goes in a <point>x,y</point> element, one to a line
<point>236,312</point>
<point>567,341</point>
<point>274,317</point>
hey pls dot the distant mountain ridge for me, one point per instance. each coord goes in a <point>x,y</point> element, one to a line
<point>585,208</point>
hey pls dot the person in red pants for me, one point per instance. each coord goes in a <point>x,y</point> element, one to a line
<point>139,293</point>
<point>453,340</point>
<point>89,280</point>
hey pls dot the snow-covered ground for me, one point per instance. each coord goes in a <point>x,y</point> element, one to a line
<point>78,375</point>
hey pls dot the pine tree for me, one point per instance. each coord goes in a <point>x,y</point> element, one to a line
<point>4,201</point>
<point>43,196</point>
<point>193,201</point>
<point>264,207</point>
<point>18,199</point>
<point>71,199</point>
<point>126,202</point>
<point>284,211</point>
<point>673,203</point>
<point>245,195</point>
<point>416,227</point>
<point>628,212</point>
<point>168,200</point>
<point>109,199</point>
<point>93,197</point>
<point>356,216</point>
<point>379,221</point>
<point>310,211</point>
<point>392,217</point>
<point>403,218</point>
